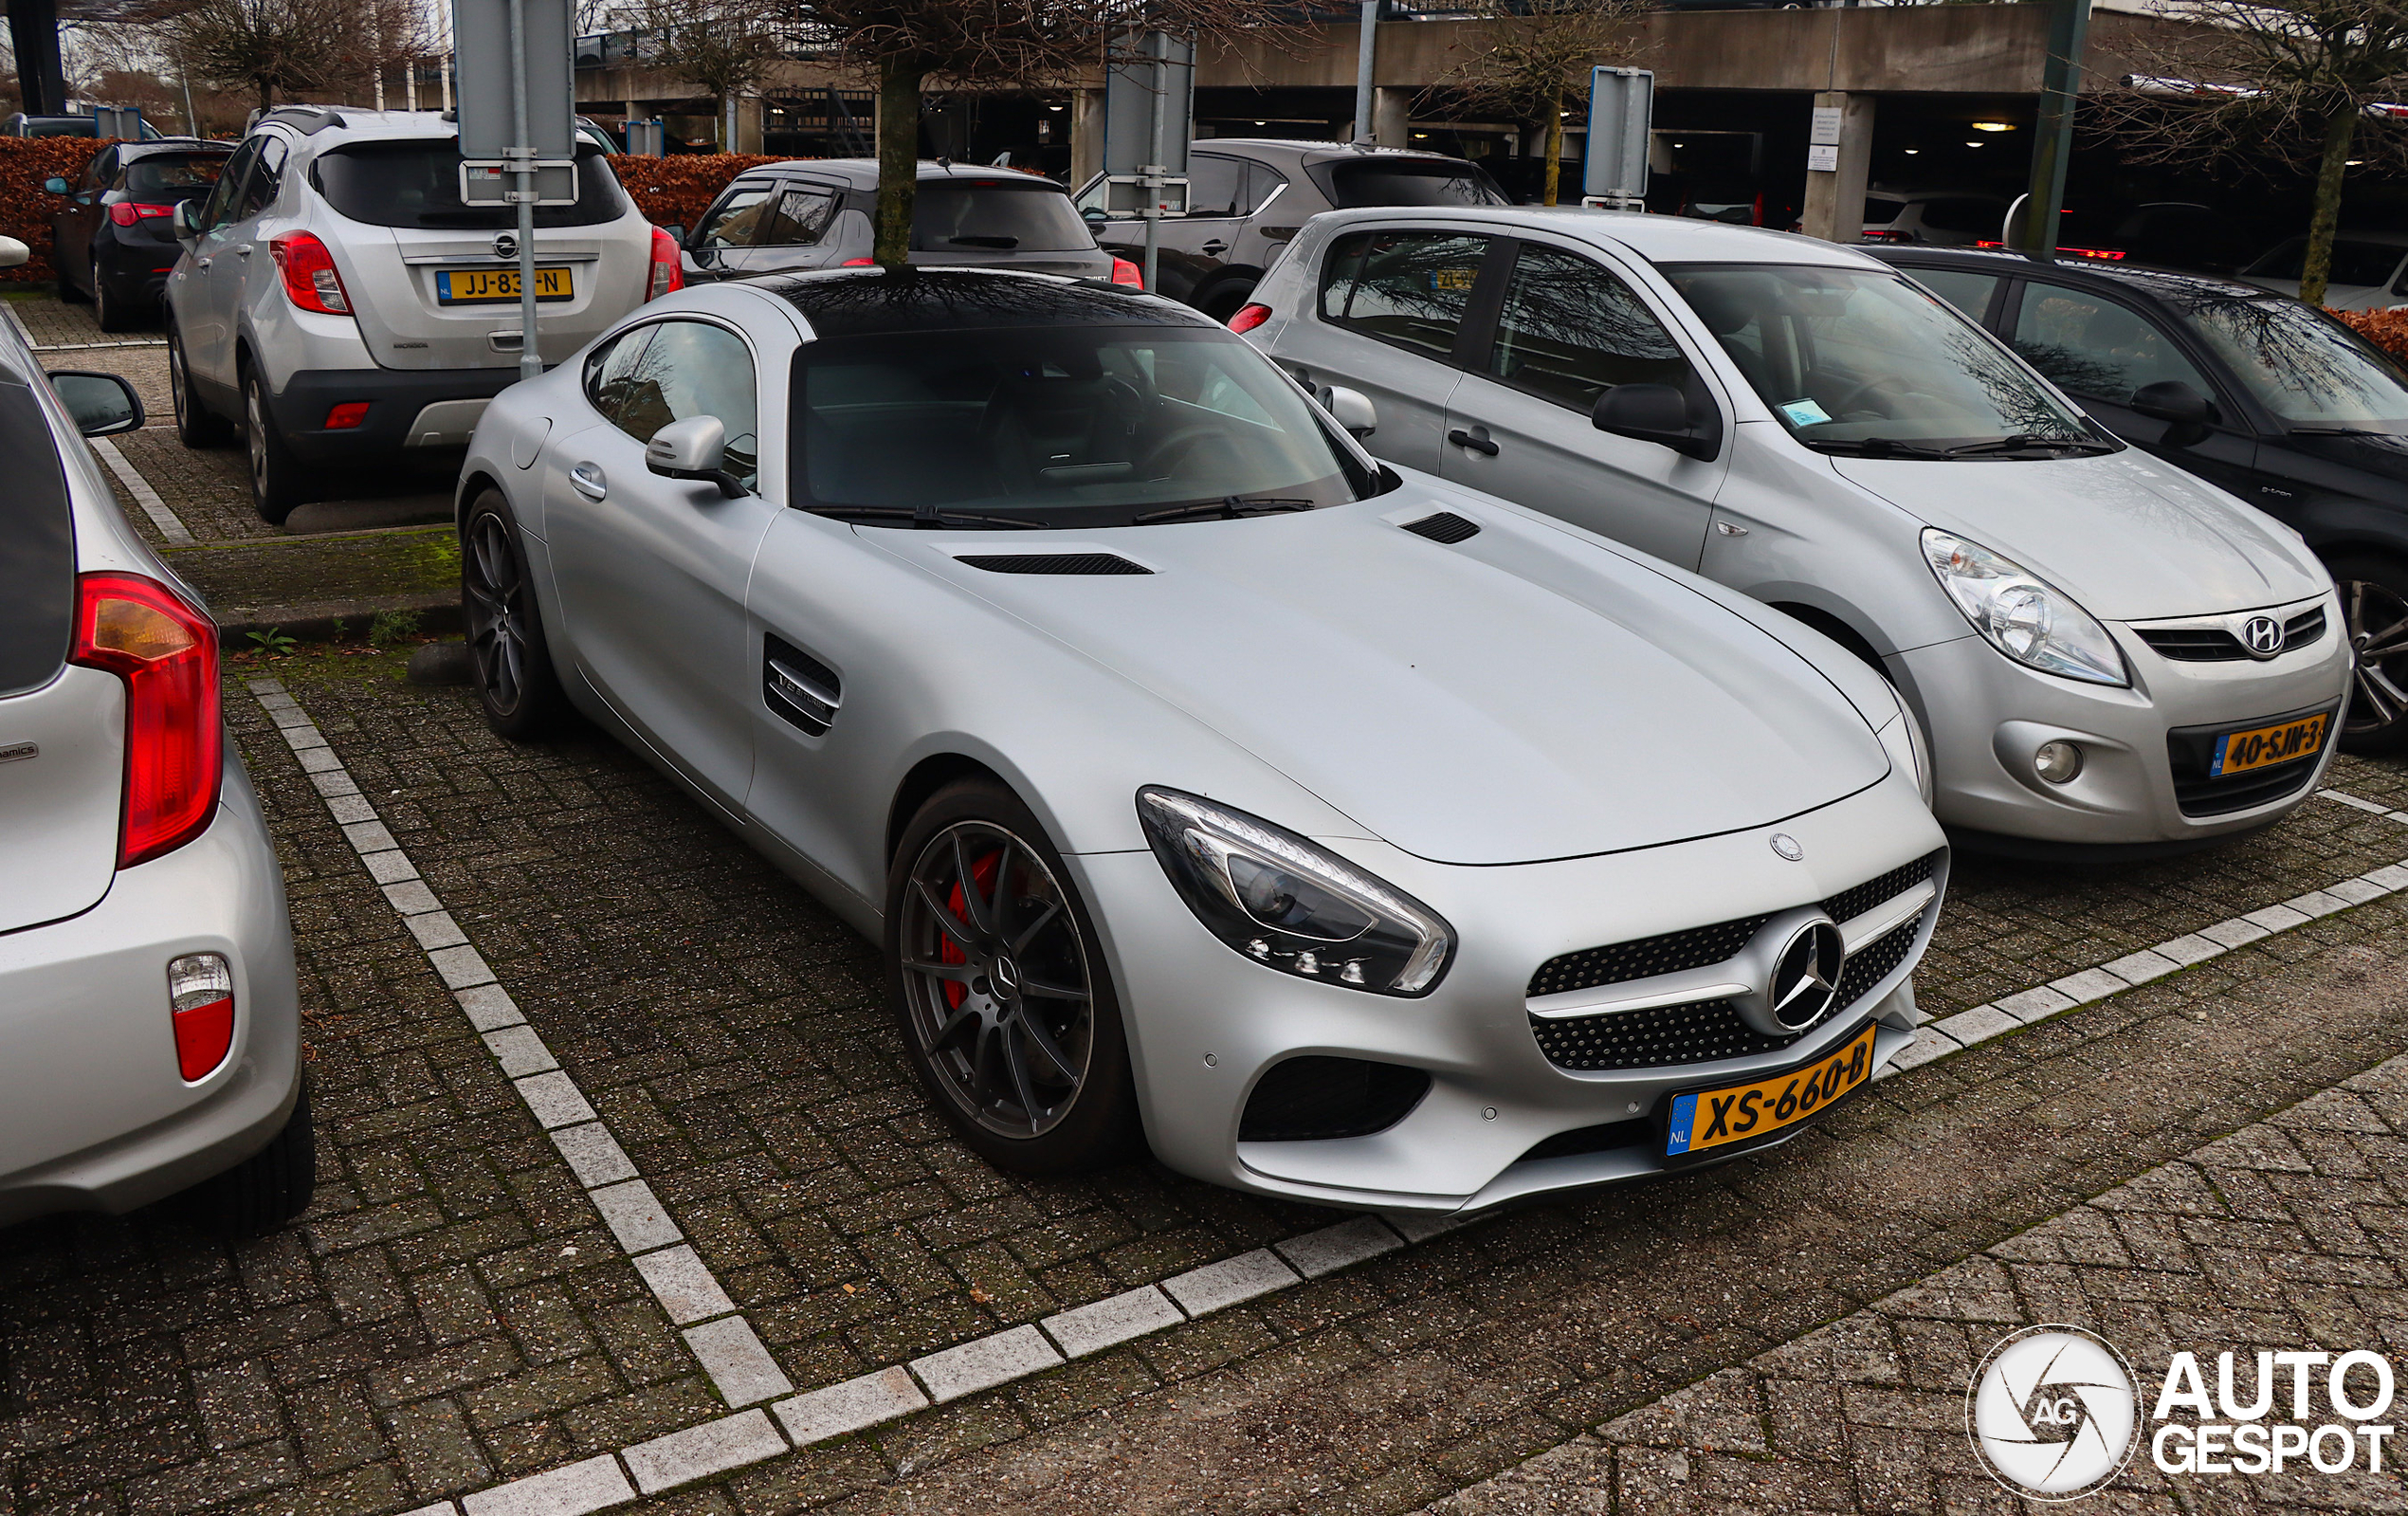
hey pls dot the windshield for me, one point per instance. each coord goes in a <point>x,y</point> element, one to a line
<point>1058,426</point>
<point>2309,370</point>
<point>951,217</point>
<point>174,174</point>
<point>1862,361</point>
<point>416,184</point>
<point>1405,182</point>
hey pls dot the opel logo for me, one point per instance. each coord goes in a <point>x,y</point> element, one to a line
<point>2262,636</point>
<point>1787,846</point>
<point>1806,976</point>
<point>505,246</point>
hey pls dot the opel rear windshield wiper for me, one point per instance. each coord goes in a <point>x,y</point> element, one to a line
<point>925,517</point>
<point>2033,442</point>
<point>1227,506</point>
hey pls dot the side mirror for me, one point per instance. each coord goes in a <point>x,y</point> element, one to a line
<point>1688,424</point>
<point>181,218</point>
<point>1352,409</point>
<point>102,404</point>
<point>695,448</point>
<point>676,234</point>
<point>54,185</point>
<point>2185,412</point>
<point>13,254</point>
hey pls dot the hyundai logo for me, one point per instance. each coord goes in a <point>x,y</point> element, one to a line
<point>2262,636</point>
<point>1806,976</point>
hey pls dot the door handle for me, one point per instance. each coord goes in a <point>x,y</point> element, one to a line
<point>1479,445</point>
<point>1214,248</point>
<point>200,262</point>
<point>243,252</point>
<point>587,480</point>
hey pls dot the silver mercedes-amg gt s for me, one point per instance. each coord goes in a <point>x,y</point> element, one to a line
<point>1372,841</point>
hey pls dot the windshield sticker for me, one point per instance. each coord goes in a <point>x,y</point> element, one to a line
<point>1804,413</point>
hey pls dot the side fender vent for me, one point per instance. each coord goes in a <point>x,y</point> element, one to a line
<point>1052,563</point>
<point>799,689</point>
<point>1444,527</point>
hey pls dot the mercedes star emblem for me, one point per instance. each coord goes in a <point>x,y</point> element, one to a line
<point>1806,976</point>
<point>1787,846</point>
<point>2262,636</point>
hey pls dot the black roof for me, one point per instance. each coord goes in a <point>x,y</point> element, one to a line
<point>2172,284</point>
<point>871,301</point>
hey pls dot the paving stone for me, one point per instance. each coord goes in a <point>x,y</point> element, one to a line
<point>2088,985</point>
<point>595,1484</point>
<point>489,1007</point>
<point>460,967</point>
<point>370,836</point>
<point>2034,1005</point>
<point>1230,1281</point>
<point>731,1353</point>
<point>1930,1042</point>
<point>2139,968</point>
<point>1331,1248</point>
<point>634,1216</point>
<point>593,1154</point>
<point>435,929</point>
<point>850,1406</point>
<point>2190,948</point>
<point>1112,1321</point>
<point>519,1051</point>
<point>2278,918</point>
<point>683,1285</point>
<point>2238,933</point>
<point>555,1098</point>
<point>984,1362</point>
<point>411,898</point>
<point>1969,1027</point>
<point>698,1453</point>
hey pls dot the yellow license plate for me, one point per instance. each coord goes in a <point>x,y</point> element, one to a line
<point>2265,746</point>
<point>1710,1118</point>
<point>476,286</point>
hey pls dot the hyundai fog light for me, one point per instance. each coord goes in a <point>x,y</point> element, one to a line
<point>2059,763</point>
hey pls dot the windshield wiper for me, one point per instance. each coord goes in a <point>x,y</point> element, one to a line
<point>2338,431</point>
<point>1227,505</point>
<point>926,517</point>
<point>1871,446</point>
<point>2033,441</point>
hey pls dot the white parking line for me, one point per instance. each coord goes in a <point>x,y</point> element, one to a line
<point>689,1293</point>
<point>144,496</point>
<point>2371,807</point>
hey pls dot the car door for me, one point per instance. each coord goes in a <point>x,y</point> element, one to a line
<point>795,237</point>
<point>1568,329</point>
<point>72,228</point>
<point>205,308</point>
<point>2100,349</point>
<point>721,243</point>
<point>651,571</point>
<point>1393,306</point>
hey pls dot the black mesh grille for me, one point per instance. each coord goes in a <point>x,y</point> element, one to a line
<point>1318,1097</point>
<point>1690,948</point>
<point>1053,563</point>
<point>1444,527</point>
<point>1850,904</point>
<point>1637,1131</point>
<point>1704,1032</point>
<point>2302,629</point>
<point>1871,964</point>
<point>2213,644</point>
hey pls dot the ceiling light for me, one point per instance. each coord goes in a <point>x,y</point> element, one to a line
<point>1972,144</point>
<point>1993,126</point>
<point>1912,151</point>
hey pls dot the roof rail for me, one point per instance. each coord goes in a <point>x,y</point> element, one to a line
<point>307,119</point>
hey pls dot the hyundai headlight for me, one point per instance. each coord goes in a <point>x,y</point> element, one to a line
<point>1289,904</point>
<point>2023,616</point>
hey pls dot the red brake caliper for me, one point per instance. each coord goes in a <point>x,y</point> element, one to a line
<point>982,873</point>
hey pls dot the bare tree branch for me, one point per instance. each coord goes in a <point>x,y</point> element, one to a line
<point>1536,65</point>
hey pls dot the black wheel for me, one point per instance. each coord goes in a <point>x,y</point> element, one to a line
<point>67,292</point>
<point>514,677</point>
<point>1007,1008</point>
<point>269,1188</point>
<point>1227,301</point>
<point>196,425</point>
<point>276,483</point>
<point>2373,614</point>
<point>109,312</point>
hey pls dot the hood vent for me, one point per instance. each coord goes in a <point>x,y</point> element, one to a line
<point>1053,563</point>
<point>1444,527</point>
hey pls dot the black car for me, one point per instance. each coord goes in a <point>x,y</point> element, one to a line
<point>2271,400</point>
<point>114,241</point>
<point>1246,196</point>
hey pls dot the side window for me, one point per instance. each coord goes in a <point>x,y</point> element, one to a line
<point>260,190</point>
<point>803,217</point>
<point>2095,347</point>
<point>739,218</point>
<point>1969,292</point>
<point>1570,331</point>
<point>1261,182</point>
<point>1216,186</point>
<point>229,184</point>
<point>1406,288</point>
<point>691,369</point>
<point>97,172</point>
<point>608,367</point>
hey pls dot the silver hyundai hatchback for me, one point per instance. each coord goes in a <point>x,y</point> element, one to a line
<point>149,1030</point>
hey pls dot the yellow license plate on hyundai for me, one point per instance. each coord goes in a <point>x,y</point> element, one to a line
<point>1711,1118</point>
<point>2263,747</point>
<point>486,287</point>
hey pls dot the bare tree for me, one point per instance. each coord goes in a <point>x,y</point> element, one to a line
<point>725,47</point>
<point>265,46</point>
<point>1535,66</point>
<point>905,45</point>
<point>2294,81</point>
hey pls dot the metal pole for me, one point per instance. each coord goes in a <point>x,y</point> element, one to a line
<point>1363,52</point>
<point>2053,137</point>
<point>522,174</point>
<point>184,77</point>
<point>1159,45</point>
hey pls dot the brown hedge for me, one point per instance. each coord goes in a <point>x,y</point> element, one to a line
<point>674,192</point>
<point>25,209</point>
<point>2386,329</point>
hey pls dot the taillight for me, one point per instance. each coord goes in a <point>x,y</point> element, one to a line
<point>668,273</point>
<point>165,651</point>
<point>310,279</point>
<point>1125,272</point>
<point>125,212</point>
<point>200,1000</point>
<point>1249,318</point>
<point>859,262</point>
<point>346,415</point>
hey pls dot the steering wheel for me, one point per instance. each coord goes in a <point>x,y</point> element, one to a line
<point>1887,384</point>
<point>1175,447</point>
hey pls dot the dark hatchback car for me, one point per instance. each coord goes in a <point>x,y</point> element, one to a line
<point>114,241</point>
<point>783,218</point>
<point>2253,392</point>
<point>1246,196</point>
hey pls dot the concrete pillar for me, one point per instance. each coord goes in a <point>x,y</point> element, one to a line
<point>752,118</point>
<point>1391,116</point>
<point>1839,153</point>
<point>1087,137</point>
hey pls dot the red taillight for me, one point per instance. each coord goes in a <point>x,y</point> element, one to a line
<point>165,651</point>
<point>311,281</point>
<point>1885,235</point>
<point>859,262</point>
<point>668,273</point>
<point>200,1000</point>
<point>1125,272</point>
<point>125,212</point>
<point>1249,318</point>
<point>2111,254</point>
<point>347,415</point>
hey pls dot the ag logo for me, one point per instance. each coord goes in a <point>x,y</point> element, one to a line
<point>2052,1413</point>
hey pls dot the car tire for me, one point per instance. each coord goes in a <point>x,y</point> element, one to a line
<point>1006,1006</point>
<point>68,294</point>
<point>2374,615</point>
<point>196,425</point>
<point>109,313</point>
<point>275,473</point>
<point>1227,301</point>
<point>268,1189</point>
<point>512,659</point>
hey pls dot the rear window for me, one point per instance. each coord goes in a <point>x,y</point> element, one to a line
<point>1880,212</point>
<point>174,173</point>
<point>2354,263</point>
<point>37,547</point>
<point>416,185</point>
<point>1405,182</point>
<point>999,217</point>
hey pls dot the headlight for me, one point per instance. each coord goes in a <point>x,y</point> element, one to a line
<point>2028,620</point>
<point>1291,905</point>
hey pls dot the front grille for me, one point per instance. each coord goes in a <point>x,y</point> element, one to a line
<point>2214,644</point>
<point>1691,948</point>
<point>1444,527</point>
<point>1874,962</point>
<point>2302,629</point>
<point>1052,563</point>
<point>1637,1132</point>
<point>1317,1098</point>
<point>1850,904</point>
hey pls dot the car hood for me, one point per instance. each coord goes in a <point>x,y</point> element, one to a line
<point>1527,694</point>
<point>2128,537</point>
